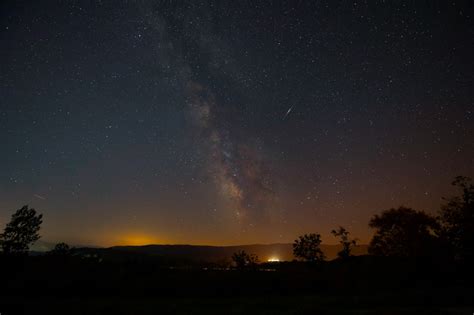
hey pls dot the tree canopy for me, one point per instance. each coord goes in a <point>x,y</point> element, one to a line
<point>308,247</point>
<point>403,232</point>
<point>60,249</point>
<point>242,259</point>
<point>457,219</point>
<point>21,231</point>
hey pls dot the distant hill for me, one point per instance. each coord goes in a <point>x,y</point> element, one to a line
<point>200,253</point>
<point>42,246</point>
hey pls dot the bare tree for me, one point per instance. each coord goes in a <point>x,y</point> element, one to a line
<point>346,242</point>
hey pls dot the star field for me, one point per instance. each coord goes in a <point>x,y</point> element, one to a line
<point>230,122</point>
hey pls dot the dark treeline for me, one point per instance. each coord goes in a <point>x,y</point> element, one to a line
<point>415,260</point>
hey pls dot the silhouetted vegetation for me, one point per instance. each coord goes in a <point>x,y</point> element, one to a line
<point>244,260</point>
<point>403,232</point>
<point>21,231</point>
<point>409,266</point>
<point>61,249</point>
<point>346,242</point>
<point>308,248</point>
<point>457,220</point>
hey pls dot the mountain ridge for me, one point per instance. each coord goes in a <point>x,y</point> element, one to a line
<point>212,253</point>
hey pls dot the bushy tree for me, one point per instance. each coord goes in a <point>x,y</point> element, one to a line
<point>403,232</point>
<point>457,220</point>
<point>308,247</point>
<point>346,242</point>
<point>21,231</point>
<point>60,249</point>
<point>242,259</point>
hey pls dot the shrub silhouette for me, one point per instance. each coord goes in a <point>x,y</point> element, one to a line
<point>61,249</point>
<point>21,231</point>
<point>403,232</point>
<point>347,244</point>
<point>457,220</point>
<point>308,247</point>
<point>243,260</point>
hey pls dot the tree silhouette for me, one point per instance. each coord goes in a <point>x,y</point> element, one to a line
<point>308,247</point>
<point>243,260</point>
<point>21,231</point>
<point>60,249</point>
<point>403,232</point>
<point>457,219</point>
<point>347,244</point>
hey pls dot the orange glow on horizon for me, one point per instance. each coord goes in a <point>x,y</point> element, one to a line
<point>137,240</point>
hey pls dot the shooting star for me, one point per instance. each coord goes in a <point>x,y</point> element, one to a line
<point>39,197</point>
<point>288,112</point>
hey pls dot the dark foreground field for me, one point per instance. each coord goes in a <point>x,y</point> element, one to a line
<point>272,304</point>
<point>361,285</point>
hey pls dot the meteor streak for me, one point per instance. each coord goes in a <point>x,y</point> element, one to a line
<point>288,112</point>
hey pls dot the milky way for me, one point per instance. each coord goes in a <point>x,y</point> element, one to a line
<point>237,167</point>
<point>231,122</point>
<point>235,161</point>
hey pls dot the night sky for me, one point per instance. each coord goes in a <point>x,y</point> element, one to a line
<point>230,122</point>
